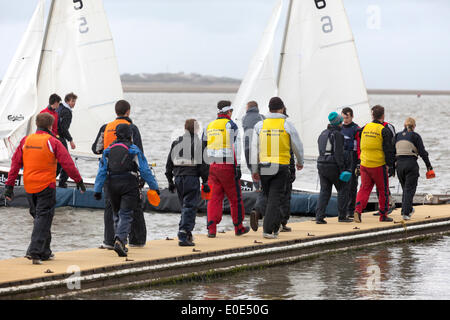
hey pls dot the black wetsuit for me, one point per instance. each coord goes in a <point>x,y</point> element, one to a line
<point>330,163</point>
<point>409,146</point>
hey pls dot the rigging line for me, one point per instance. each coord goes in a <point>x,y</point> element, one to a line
<point>336,44</point>
<point>102,104</point>
<point>94,42</point>
<point>355,104</point>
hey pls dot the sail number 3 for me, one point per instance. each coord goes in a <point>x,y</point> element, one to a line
<point>82,27</point>
<point>327,25</point>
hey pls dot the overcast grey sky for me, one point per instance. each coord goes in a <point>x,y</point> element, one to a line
<point>402,44</point>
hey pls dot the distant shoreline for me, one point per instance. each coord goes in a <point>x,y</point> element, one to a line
<point>230,88</point>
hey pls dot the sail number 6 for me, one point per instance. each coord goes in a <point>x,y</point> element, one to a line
<point>320,4</point>
<point>80,2</point>
<point>327,25</point>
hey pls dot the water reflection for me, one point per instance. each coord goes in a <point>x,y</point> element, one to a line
<point>399,271</point>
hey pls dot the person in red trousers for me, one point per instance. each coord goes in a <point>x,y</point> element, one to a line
<point>377,156</point>
<point>223,149</point>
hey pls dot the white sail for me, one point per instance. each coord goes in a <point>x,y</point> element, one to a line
<point>320,72</point>
<point>18,96</point>
<point>79,57</point>
<point>259,83</point>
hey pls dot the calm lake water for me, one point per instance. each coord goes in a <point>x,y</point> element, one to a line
<point>409,271</point>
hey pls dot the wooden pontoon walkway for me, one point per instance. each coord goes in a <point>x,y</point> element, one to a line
<point>162,260</point>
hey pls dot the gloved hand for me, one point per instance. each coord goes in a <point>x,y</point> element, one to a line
<point>238,173</point>
<point>206,188</point>
<point>141,183</point>
<point>391,172</point>
<point>345,176</point>
<point>158,192</point>
<point>98,196</point>
<point>358,170</point>
<point>172,187</point>
<point>292,177</point>
<point>80,185</point>
<point>9,192</point>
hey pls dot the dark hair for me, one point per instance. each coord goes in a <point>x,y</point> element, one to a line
<point>189,125</point>
<point>44,120</point>
<point>122,106</point>
<point>53,99</point>
<point>70,96</point>
<point>377,112</point>
<point>252,104</point>
<point>347,111</point>
<point>223,103</point>
<point>276,103</point>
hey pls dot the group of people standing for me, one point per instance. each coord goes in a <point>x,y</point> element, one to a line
<point>270,145</point>
<point>374,153</point>
<point>273,152</point>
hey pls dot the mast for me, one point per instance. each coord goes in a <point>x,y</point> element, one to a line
<point>47,26</point>
<point>283,46</point>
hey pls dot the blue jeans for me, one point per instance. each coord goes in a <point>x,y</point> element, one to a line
<point>188,190</point>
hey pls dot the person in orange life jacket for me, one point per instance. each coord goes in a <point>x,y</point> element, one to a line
<point>118,171</point>
<point>185,162</point>
<point>37,154</point>
<point>350,130</point>
<point>223,155</point>
<point>274,138</point>
<point>409,146</point>
<point>105,137</point>
<point>377,157</point>
<point>333,169</point>
<point>53,104</point>
<point>64,122</point>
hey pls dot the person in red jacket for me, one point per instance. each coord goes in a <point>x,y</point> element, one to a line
<point>38,154</point>
<point>53,104</point>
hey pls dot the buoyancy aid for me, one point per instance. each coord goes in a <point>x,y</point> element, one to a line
<point>218,139</point>
<point>39,163</point>
<point>372,153</point>
<point>404,145</point>
<point>119,159</point>
<point>109,135</point>
<point>274,142</point>
<point>349,133</point>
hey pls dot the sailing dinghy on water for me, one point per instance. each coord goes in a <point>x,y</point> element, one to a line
<point>318,72</point>
<point>75,53</point>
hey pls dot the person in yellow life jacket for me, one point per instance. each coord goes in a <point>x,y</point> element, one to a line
<point>270,158</point>
<point>105,136</point>
<point>38,154</point>
<point>223,154</point>
<point>377,157</point>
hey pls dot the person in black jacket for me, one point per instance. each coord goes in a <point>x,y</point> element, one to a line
<point>185,163</point>
<point>350,130</point>
<point>408,146</point>
<point>331,165</point>
<point>64,121</point>
<point>138,235</point>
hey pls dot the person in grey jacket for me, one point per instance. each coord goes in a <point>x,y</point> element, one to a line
<point>271,164</point>
<point>251,118</point>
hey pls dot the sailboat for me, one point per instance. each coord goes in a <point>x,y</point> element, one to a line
<point>73,52</point>
<point>318,72</point>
